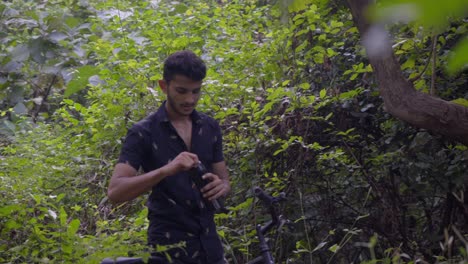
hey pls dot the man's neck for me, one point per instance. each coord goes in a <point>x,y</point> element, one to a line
<point>175,117</point>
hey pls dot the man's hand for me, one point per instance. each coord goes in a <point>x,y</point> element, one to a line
<point>216,188</point>
<point>183,162</point>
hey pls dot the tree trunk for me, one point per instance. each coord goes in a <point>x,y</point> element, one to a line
<point>400,97</point>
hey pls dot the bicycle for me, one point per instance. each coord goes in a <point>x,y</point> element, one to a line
<point>266,257</point>
<point>277,220</point>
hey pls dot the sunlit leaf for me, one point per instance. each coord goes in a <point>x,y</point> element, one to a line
<point>461,101</point>
<point>63,216</point>
<point>7,210</point>
<point>458,60</point>
<point>298,5</point>
<point>323,93</point>
<point>80,79</point>
<point>334,248</point>
<point>73,227</point>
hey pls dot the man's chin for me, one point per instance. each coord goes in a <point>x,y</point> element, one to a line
<point>187,110</point>
<point>185,113</point>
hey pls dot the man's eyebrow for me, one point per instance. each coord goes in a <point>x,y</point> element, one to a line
<point>185,88</point>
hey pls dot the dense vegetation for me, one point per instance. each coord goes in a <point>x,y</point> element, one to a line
<point>300,111</point>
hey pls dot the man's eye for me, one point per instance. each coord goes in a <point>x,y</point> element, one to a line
<point>197,91</point>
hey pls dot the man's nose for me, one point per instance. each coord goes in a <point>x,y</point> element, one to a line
<point>191,98</point>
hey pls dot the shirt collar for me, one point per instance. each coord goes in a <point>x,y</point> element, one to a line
<point>162,116</point>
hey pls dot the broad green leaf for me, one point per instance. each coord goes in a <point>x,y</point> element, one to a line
<point>458,60</point>
<point>20,53</point>
<point>180,8</point>
<point>304,86</point>
<point>345,133</point>
<point>20,109</point>
<point>72,22</point>
<point>335,23</point>
<point>7,210</point>
<point>80,79</point>
<point>298,5</point>
<point>63,216</point>
<point>7,127</point>
<point>11,224</point>
<point>73,227</point>
<point>67,248</point>
<point>56,37</point>
<point>323,93</point>
<point>351,94</point>
<point>60,197</point>
<point>334,248</point>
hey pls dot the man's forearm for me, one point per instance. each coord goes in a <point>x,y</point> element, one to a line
<point>124,188</point>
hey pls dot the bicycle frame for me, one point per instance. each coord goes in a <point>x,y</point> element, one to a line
<point>276,220</point>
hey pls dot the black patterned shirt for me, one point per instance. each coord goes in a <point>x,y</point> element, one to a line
<point>175,206</point>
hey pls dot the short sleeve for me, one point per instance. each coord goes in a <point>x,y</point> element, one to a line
<point>217,145</point>
<point>133,148</point>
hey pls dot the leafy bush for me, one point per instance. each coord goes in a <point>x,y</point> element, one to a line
<point>299,110</point>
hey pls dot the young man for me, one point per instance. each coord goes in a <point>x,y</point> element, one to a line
<point>167,145</point>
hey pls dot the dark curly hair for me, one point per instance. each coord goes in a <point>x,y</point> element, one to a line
<point>184,63</point>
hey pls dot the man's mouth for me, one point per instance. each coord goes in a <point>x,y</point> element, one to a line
<point>187,107</point>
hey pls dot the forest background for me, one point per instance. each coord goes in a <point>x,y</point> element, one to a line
<point>302,110</point>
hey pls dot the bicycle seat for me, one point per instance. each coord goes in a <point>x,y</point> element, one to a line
<point>123,260</point>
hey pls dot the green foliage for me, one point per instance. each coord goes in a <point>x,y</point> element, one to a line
<point>458,58</point>
<point>80,79</point>
<point>434,17</point>
<point>299,111</point>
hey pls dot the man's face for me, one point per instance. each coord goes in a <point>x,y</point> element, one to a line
<point>182,94</point>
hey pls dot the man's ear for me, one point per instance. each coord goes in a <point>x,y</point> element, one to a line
<point>163,85</point>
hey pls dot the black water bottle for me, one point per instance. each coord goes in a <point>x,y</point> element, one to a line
<point>197,177</point>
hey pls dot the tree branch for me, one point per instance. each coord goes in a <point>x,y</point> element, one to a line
<point>400,97</point>
<point>44,100</point>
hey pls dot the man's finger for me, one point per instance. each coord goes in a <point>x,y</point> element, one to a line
<point>213,193</point>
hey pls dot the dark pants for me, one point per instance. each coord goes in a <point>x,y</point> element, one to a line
<point>159,259</point>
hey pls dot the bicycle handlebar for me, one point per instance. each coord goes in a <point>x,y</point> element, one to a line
<point>268,199</point>
<point>271,203</point>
